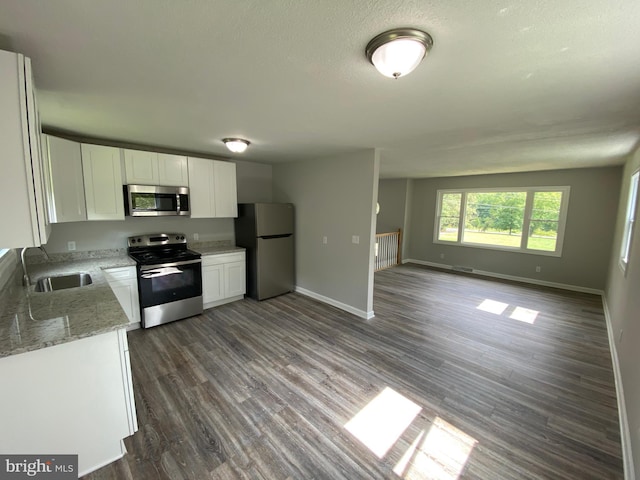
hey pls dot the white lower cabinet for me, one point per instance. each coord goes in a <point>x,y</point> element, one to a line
<point>73,398</point>
<point>124,283</point>
<point>223,278</point>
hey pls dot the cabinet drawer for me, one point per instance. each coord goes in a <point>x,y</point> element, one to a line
<point>120,273</point>
<point>222,258</point>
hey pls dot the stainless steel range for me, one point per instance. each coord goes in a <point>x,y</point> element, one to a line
<point>169,277</point>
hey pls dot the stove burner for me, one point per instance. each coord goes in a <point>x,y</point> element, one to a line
<point>160,248</point>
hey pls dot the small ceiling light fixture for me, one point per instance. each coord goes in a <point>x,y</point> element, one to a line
<point>398,52</point>
<point>236,145</point>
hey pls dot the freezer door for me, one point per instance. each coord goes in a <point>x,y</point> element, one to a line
<point>273,219</point>
<point>275,268</point>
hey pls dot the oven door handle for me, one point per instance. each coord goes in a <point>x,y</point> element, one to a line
<point>173,264</point>
<point>160,272</point>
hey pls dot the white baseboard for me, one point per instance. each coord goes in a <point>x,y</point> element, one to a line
<point>625,433</point>
<point>533,281</point>
<point>335,303</point>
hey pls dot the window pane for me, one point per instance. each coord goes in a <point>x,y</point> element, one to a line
<point>449,217</point>
<point>629,219</point>
<point>494,218</point>
<point>545,217</point>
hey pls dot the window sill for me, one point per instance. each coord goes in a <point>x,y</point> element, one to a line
<point>500,249</point>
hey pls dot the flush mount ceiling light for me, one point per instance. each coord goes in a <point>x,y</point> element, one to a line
<point>398,52</point>
<point>236,145</point>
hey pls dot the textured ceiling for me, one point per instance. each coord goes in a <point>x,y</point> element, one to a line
<point>510,85</point>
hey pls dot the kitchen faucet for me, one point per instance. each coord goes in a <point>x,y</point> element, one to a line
<point>26,281</point>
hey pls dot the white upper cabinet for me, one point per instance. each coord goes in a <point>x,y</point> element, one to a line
<point>201,188</point>
<point>141,167</point>
<point>226,194</point>
<point>151,168</point>
<point>24,215</point>
<point>212,188</point>
<point>102,182</point>
<point>172,170</point>
<point>63,162</point>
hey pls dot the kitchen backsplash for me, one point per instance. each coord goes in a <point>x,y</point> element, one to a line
<point>35,256</point>
<point>98,236</point>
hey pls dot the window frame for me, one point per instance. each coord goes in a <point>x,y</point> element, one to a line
<point>631,213</point>
<point>526,222</point>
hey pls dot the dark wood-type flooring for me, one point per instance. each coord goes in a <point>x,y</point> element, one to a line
<point>263,390</point>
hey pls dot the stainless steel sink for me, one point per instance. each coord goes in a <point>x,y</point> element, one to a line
<point>49,284</point>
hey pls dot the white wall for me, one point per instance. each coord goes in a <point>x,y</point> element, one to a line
<point>333,197</point>
<point>110,235</point>
<point>254,182</point>
<point>622,296</point>
<point>392,197</point>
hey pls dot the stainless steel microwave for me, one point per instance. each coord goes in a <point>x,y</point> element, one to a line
<point>153,201</point>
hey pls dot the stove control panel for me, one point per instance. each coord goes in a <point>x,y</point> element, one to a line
<point>157,240</point>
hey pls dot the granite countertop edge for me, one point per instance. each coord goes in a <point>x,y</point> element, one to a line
<point>32,320</point>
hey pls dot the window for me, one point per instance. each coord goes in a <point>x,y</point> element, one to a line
<point>529,220</point>
<point>629,221</point>
<point>3,251</point>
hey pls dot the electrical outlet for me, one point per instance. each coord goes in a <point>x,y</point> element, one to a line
<point>71,246</point>
<point>196,237</point>
<point>324,240</point>
<point>442,255</point>
<point>538,269</point>
<point>355,239</point>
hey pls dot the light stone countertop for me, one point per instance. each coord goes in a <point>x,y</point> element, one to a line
<point>31,320</point>
<point>205,250</point>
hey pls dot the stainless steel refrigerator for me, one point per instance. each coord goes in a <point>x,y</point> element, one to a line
<point>266,231</point>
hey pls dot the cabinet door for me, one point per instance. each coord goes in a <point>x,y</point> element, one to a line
<point>23,216</point>
<point>172,170</point>
<point>201,188</point>
<point>42,226</point>
<point>212,283</point>
<point>235,279</point>
<point>124,284</point>
<point>140,167</point>
<point>225,191</point>
<point>65,180</point>
<point>102,182</point>
<point>122,291</point>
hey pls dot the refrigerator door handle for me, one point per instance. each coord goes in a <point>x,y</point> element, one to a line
<point>267,237</point>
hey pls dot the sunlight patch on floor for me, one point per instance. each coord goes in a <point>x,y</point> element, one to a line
<point>524,315</point>
<point>381,422</point>
<point>440,455</point>
<point>521,314</point>
<point>492,306</point>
